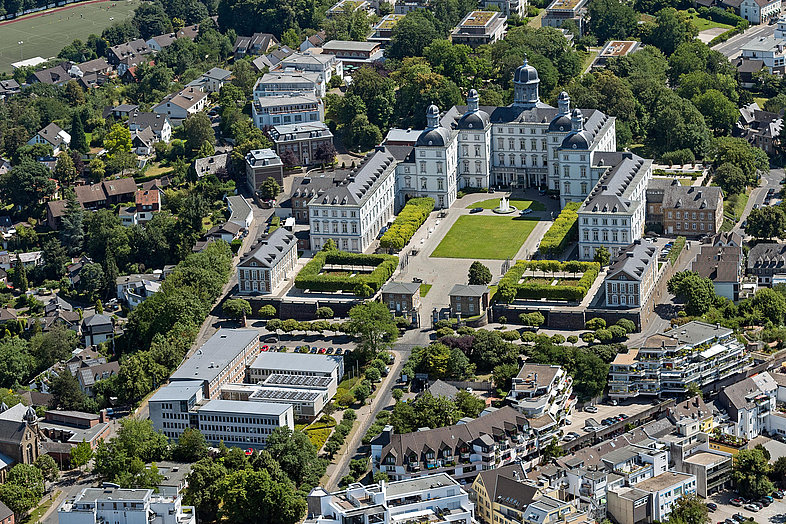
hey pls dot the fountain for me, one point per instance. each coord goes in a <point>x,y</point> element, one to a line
<point>504,207</point>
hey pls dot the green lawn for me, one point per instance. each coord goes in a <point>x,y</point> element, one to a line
<point>702,24</point>
<point>685,181</point>
<point>734,205</point>
<point>424,289</point>
<point>46,35</point>
<point>521,205</point>
<point>485,237</point>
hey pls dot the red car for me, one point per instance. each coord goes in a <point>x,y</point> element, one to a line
<point>264,348</point>
<point>322,351</point>
<point>735,502</point>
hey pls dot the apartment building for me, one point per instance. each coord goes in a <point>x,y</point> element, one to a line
<point>468,300</point>
<point>431,498</point>
<point>765,260</point>
<point>614,213</point>
<point>383,30</point>
<point>749,404</point>
<point>304,140</point>
<point>723,265</point>
<point>650,500</point>
<point>219,361</point>
<point>711,469</point>
<point>479,28</point>
<point>506,7</point>
<point>325,65</point>
<point>540,390</point>
<point>692,211</point>
<point>353,54</point>
<point>560,11</point>
<point>269,263</point>
<point>270,111</point>
<point>495,438</point>
<point>286,82</point>
<point>124,506</point>
<point>353,211</point>
<point>632,276</point>
<point>666,364</point>
<point>181,105</point>
<point>262,164</point>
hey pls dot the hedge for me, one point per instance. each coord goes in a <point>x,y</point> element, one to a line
<point>309,277</point>
<point>563,230</point>
<point>407,223</point>
<point>537,291</point>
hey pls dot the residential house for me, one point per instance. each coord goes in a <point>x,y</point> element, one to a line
<point>723,265</point>
<point>749,403</point>
<point>304,140</point>
<point>132,290</point>
<point>560,11</point>
<point>760,11</point>
<point>97,329</point>
<point>692,211</point>
<point>275,110</point>
<point>765,260</point>
<point>540,390</point>
<point>507,7</point>
<point>632,276</point>
<point>128,54</point>
<point>271,60</point>
<point>268,264</point>
<point>147,202</point>
<point>212,165</point>
<point>402,298</point>
<point>120,111</point>
<point>352,211</point>
<point>180,105</point>
<point>6,515</point>
<point>52,135</point>
<point>353,54</point>
<point>159,42</point>
<point>651,500</point>
<point>107,192</point>
<point>748,69</point>
<point>29,259</point>
<point>430,498</point>
<point>57,75</point>
<point>768,49</point>
<point>124,506</point>
<point>761,129</point>
<point>88,376</point>
<point>256,44</point>
<point>480,28</point>
<point>467,300</point>
<point>73,272</point>
<point>158,123</point>
<point>315,40</point>
<point>9,88</point>
<point>212,81</point>
<point>262,164</point>
<point>240,211</point>
<point>142,142</point>
<point>227,232</point>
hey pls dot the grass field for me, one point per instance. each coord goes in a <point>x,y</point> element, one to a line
<point>702,24</point>
<point>521,205</point>
<point>484,237</point>
<point>46,35</point>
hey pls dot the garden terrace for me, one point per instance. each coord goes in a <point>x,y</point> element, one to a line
<point>345,272</point>
<point>549,279</point>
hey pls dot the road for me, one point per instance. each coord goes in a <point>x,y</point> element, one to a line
<point>732,48</point>
<point>771,179</point>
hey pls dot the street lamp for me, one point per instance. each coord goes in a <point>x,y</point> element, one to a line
<point>20,49</point>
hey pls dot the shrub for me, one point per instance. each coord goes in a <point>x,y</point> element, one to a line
<point>562,231</point>
<point>595,323</point>
<point>324,312</point>
<point>588,337</point>
<point>267,311</point>
<point>309,277</point>
<point>408,221</point>
<point>604,335</point>
<point>678,156</point>
<point>349,414</point>
<point>534,319</point>
<point>532,290</point>
<point>444,332</point>
<point>557,338</point>
<point>618,333</point>
<point>511,335</point>
<point>528,336</point>
<point>627,325</point>
<point>373,374</point>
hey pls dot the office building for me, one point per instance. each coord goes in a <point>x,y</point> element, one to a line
<point>269,263</point>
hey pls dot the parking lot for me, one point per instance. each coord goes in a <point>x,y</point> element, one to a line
<point>774,513</point>
<point>628,407</point>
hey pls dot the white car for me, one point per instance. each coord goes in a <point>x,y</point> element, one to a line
<point>591,409</point>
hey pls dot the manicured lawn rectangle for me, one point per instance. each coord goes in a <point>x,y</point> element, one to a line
<point>46,35</point>
<point>424,289</point>
<point>485,237</point>
<point>521,205</point>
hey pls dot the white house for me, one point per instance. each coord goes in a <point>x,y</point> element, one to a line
<point>269,263</point>
<point>286,109</point>
<point>52,135</point>
<point>759,11</point>
<point>240,211</point>
<point>212,81</point>
<point>179,106</point>
<point>124,506</point>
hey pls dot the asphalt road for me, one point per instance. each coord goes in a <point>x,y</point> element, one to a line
<point>732,48</point>
<point>770,180</point>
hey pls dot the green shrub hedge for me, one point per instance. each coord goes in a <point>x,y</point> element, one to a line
<point>407,223</point>
<point>309,277</point>
<point>563,230</point>
<point>532,290</point>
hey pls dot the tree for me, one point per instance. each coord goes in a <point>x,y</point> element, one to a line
<point>779,470</point>
<point>672,28</point>
<point>374,327</point>
<point>97,169</point>
<point>325,153</point>
<point>23,489</point>
<point>479,274</point>
<point>503,375</point>
<point>72,228</point>
<point>117,140</point>
<point>361,392</point>
<point>552,450</point>
<point>20,276</point>
<point>201,491</point>
<point>325,312</point>
<point>152,20</point>
<point>296,455</point>
<point>48,467</point>
<point>269,189</point>
<point>198,131</point>
<point>26,184</point>
<point>191,446</point>
<point>56,259</point>
<point>697,292</point>
<point>534,319</point>
<point>719,112</point>
<point>411,35</point>
<point>267,311</point>
<point>363,134</point>
<point>689,509</point>
<point>602,256</point>
<point>739,152</point>
<point>78,138</point>
<point>771,304</point>
<point>373,374</point>
<point>74,93</point>
<point>612,20</point>
<point>66,393</point>
<point>730,178</point>
<point>676,124</point>
<point>766,222</point>
<point>750,470</point>
<point>81,455</point>
<point>237,308</point>
<point>378,94</point>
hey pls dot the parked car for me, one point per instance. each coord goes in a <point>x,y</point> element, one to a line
<point>739,517</point>
<point>526,211</point>
<point>476,210</point>
<point>568,438</point>
<point>778,494</point>
<point>752,507</point>
<point>736,502</point>
<point>591,409</point>
<point>711,506</point>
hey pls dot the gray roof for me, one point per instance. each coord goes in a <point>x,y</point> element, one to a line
<point>285,132</point>
<point>357,187</point>
<point>51,134</point>
<point>401,288</point>
<point>94,494</point>
<point>742,394</point>
<point>468,290</point>
<point>270,251</point>
<point>697,332</point>
<point>767,254</point>
<point>692,197</point>
<point>285,100</point>
<point>215,354</point>
<point>349,45</point>
<point>612,193</point>
<point>402,487</point>
<point>297,361</point>
<point>211,164</point>
<point>5,512</point>
<point>440,388</point>
<point>154,121</point>
<point>177,391</point>
<point>263,157</point>
<point>634,260</point>
<point>244,407</point>
<point>218,74</point>
<point>239,208</point>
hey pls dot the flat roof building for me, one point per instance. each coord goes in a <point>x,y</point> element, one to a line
<point>480,27</point>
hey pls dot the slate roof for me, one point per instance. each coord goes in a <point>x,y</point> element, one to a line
<point>468,290</point>
<point>718,263</point>
<point>52,134</point>
<point>357,187</point>
<point>440,388</point>
<point>741,394</point>
<point>154,121</point>
<point>634,260</point>
<point>270,251</point>
<point>612,193</point>
<point>53,76</point>
<point>210,165</point>
<point>767,255</point>
<point>682,197</point>
<point>401,288</point>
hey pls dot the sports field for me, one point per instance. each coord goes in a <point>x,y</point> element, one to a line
<point>485,237</point>
<point>45,33</point>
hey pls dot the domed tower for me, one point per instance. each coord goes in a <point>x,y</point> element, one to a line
<point>474,118</point>
<point>563,103</point>
<point>473,101</point>
<point>30,416</point>
<point>561,122</point>
<point>432,117</point>
<point>578,137</point>
<point>525,86</point>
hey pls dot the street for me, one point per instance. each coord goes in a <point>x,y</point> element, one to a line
<point>732,48</point>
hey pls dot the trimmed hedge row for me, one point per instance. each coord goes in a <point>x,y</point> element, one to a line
<point>309,277</point>
<point>563,230</point>
<point>528,290</point>
<point>407,223</point>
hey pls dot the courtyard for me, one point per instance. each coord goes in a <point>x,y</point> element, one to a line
<point>485,237</point>
<point>521,205</point>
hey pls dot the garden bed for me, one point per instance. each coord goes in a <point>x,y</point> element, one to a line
<point>313,278</point>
